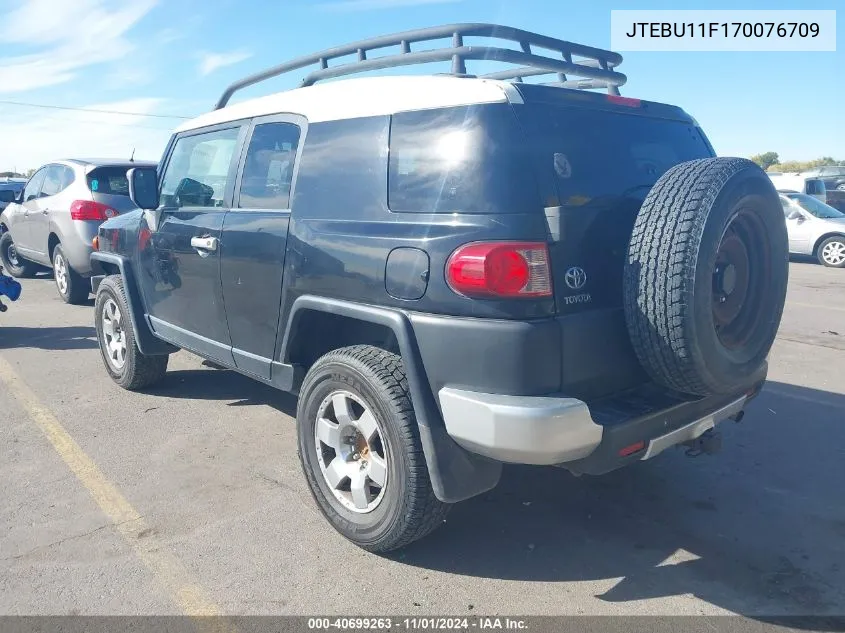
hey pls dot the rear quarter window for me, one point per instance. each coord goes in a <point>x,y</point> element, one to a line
<point>109,180</point>
<point>459,160</point>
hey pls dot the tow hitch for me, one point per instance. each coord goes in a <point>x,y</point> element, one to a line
<point>708,443</point>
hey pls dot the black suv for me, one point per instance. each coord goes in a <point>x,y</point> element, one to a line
<point>452,272</point>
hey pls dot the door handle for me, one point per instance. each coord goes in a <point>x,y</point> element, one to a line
<point>204,243</point>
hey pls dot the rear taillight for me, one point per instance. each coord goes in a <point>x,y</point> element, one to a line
<point>500,269</point>
<point>625,101</point>
<point>90,210</point>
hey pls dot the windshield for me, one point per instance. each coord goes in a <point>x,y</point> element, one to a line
<point>815,206</point>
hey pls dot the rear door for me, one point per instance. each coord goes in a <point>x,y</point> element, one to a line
<point>254,241</point>
<point>595,166</point>
<point>50,206</point>
<point>180,258</point>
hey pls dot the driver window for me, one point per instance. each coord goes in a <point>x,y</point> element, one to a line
<point>199,169</point>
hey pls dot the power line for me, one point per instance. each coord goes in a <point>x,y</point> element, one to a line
<point>95,110</point>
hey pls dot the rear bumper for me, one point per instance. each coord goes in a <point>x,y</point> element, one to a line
<point>556,430</point>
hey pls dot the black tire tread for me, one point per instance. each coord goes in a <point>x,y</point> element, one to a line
<point>25,269</point>
<point>142,370</point>
<point>669,221</point>
<point>424,512</point>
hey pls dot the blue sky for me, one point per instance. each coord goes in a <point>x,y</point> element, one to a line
<point>176,56</point>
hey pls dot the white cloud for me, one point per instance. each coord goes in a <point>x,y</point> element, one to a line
<point>34,137</point>
<point>373,5</point>
<point>68,36</point>
<point>209,62</point>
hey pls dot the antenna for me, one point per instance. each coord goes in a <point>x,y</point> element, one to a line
<point>132,158</point>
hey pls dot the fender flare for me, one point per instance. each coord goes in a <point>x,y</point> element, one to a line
<point>456,474</point>
<point>148,343</point>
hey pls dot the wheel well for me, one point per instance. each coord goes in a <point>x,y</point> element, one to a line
<point>52,242</point>
<point>823,238</point>
<point>318,333</point>
<point>109,269</point>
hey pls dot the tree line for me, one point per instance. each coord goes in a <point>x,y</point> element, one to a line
<point>770,161</point>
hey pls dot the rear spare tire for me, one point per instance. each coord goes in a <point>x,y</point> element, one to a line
<point>705,276</point>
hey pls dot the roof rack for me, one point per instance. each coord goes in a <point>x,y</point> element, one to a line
<point>594,68</point>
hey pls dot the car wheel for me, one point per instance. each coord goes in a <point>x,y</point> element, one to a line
<point>831,252</point>
<point>73,288</point>
<point>705,276</point>
<point>16,265</point>
<point>360,450</point>
<point>124,362</point>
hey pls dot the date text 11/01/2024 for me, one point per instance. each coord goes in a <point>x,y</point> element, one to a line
<point>418,624</point>
<point>722,29</point>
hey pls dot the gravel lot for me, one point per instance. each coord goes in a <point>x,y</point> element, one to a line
<point>190,498</point>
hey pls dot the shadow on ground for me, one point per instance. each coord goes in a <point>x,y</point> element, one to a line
<point>49,338</point>
<point>758,529</point>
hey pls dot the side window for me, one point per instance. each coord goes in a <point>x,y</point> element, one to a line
<point>268,168</point>
<point>57,179</point>
<point>199,169</point>
<point>32,188</point>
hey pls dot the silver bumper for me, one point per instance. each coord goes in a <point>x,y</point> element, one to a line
<point>543,430</point>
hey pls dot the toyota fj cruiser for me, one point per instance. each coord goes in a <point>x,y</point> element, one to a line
<point>452,271</point>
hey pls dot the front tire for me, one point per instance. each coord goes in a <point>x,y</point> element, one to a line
<point>360,450</point>
<point>831,252</point>
<point>12,262</point>
<point>73,288</point>
<point>124,362</point>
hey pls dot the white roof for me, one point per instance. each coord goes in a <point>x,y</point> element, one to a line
<point>365,96</point>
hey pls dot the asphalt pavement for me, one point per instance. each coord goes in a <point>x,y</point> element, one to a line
<point>189,498</point>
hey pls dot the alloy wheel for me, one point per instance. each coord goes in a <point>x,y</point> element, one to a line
<point>833,253</point>
<point>114,335</point>
<point>60,272</point>
<point>351,452</point>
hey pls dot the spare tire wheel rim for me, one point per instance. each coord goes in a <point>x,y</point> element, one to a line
<point>351,452</point>
<point>740,277</point>
<point>834,253</point>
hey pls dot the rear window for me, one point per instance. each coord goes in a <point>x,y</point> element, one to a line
<point>109,180</point>
<point>459,160</point>
<point>594,154</point>
<point>814,187</point>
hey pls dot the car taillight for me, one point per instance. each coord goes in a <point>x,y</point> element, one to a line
<point>90,210</point>
<point>500,269</point>
<point>625,101</point>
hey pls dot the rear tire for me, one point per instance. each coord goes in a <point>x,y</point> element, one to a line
<point>72,287</point>
<point>124,362</point>
<point>705,277</point>
<point>359,397</point>
<point>16,265</point>
<point>831,252</point>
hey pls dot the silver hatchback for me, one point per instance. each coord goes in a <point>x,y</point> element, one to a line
<point>814,228</point>
<point>55,219</point>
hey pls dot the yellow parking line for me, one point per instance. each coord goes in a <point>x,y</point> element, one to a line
<point>167,569</point>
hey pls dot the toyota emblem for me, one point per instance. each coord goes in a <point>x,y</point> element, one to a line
<point>575,278</point>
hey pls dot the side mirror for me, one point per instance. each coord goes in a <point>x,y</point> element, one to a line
<point>143,187</point>
<point>796,215</point>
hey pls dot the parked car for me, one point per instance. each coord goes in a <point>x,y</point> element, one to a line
<point>836,199</point>
<point>56,217</point>
<point>452,272</point>
<point>799,182</point>
<point>814,228</point>
<point>10,189</point>
<point>832,175</point>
